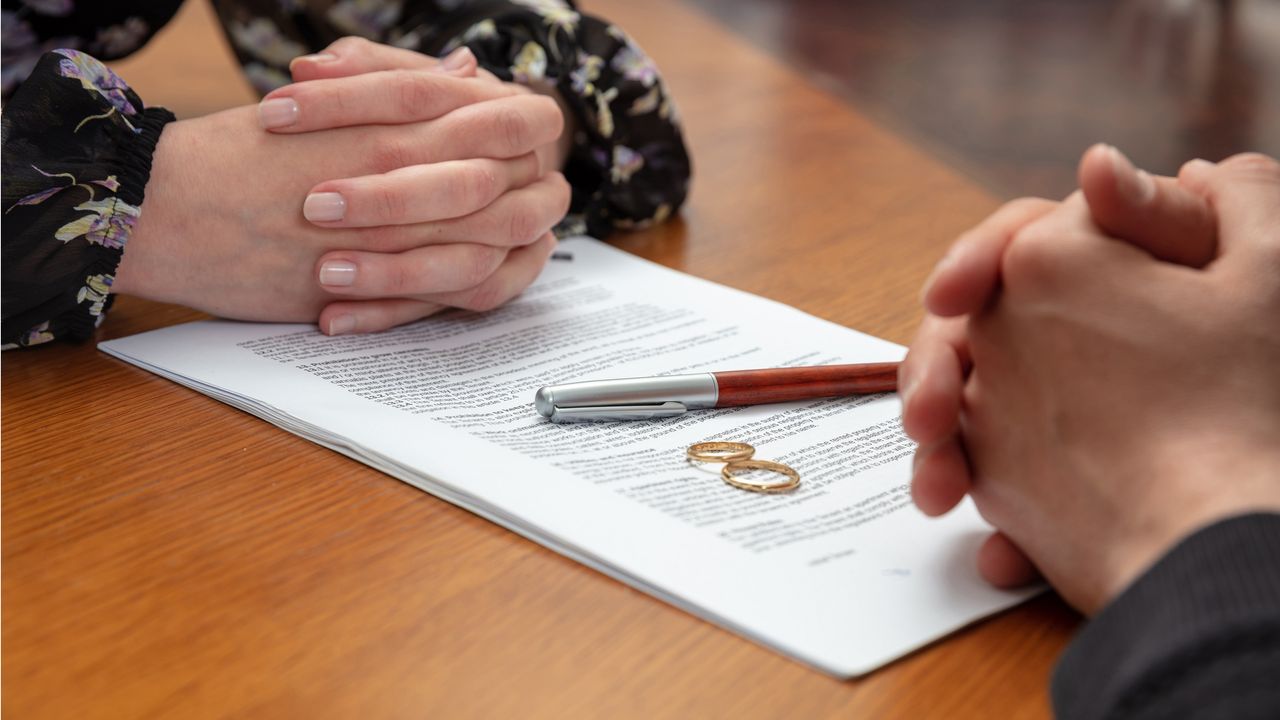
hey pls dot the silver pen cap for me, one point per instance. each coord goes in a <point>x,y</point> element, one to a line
<point>627,398</point>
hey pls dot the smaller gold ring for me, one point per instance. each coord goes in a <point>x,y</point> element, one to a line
<point>724,452</point>
<point>793,477</point>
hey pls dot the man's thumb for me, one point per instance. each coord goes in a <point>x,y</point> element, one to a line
<point>1158,214</point>
<point>1244,191</point>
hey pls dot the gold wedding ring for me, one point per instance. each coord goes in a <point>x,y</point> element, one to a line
<point>725,452</point>
<point>736,456</point>
<point>793,477</point>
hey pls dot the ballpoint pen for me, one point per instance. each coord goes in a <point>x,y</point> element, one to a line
<point>670,395</point>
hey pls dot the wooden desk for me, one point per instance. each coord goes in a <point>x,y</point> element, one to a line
<point>166,555</point>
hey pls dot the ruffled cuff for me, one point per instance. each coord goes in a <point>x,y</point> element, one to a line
<point>78,146</point>
<point>629,166</point>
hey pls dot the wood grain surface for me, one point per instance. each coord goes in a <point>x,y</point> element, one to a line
<point>167,556</point>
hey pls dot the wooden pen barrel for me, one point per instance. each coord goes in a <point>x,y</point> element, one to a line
<point>756,387</point>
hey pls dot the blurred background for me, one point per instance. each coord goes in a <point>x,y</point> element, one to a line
<point>1008,92</point>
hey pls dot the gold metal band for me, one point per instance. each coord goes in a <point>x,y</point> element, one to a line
<point>720,452</point>
<point>793,477</point>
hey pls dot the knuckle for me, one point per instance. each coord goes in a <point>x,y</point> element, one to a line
<point>390,153</point>
<point>513,127</point>
<point>382,238</point>
<point>511,88</point>
<point>477,264</point>
<point>350,45</point>
<point>486,226</point>
<point>1025,205</point>
<point>338,99</point>
<point>1255,165</point>
<point>486,298</point>
<point>398,278</point>
<point>549,111</point>
<point>527,168</point>
<point>413,91</point>
<point>522,226</point>
<point>479,185</point>
<point>1029,258</point>
<point>391,206</point>
<point>564,194</point>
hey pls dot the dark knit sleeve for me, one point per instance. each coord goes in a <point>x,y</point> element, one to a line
<point>629,166</point>
<point>1197,636</point>
<point>77,156</point>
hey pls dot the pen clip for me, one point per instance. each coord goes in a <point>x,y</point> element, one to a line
<point>604,413</point>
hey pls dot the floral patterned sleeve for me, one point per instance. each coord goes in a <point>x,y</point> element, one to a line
<point>77,155</point>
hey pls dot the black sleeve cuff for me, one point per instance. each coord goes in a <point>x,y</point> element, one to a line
<point>1197,635</point>
<point>78,145</point>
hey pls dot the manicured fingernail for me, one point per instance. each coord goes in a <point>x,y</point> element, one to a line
<point>457,60</point>
<point>324,207</point>
<point>339,273</point>
<point>342,325</point>
<point>277,112</point>
<point>1135,185</point>
<point>323,57</point>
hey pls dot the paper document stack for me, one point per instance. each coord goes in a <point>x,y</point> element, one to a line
<point>842,573</point>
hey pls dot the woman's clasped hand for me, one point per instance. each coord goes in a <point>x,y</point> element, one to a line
<point>386,186</point>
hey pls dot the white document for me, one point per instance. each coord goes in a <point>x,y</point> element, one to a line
<point>843,573</point>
